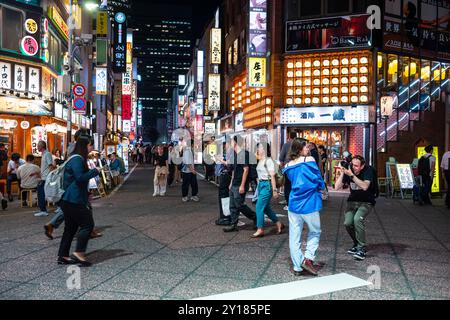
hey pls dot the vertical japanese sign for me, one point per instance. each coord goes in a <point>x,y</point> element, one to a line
<point>45,55</point>
<point>216,46</point>
<point>30,43</point>
<point>257,39</point>
<point>257,43</point>
<point>19,78</point>
<point>34,79</point>
<point>256,72</point>
<point>5,75</point>
<point>214,92</point>
<point>101,82</point>
<point>37,134</point>
<point>102,24</point>
<point>120,43</point>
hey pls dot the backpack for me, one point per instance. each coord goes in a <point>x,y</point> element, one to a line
<point>54,184</point>
<point>424,166</point>
<point>122,166</point>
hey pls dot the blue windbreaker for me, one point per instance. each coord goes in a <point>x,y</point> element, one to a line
<point>307,181</point>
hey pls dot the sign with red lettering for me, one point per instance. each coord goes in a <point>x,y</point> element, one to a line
<point>126,107</point>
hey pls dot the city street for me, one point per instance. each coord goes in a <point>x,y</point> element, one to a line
<point>162,248</point>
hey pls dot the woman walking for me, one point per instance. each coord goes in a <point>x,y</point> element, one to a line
<point>267,189</point>
<point>161,163</point>
<point>305,202</point>
<point>75,204</point>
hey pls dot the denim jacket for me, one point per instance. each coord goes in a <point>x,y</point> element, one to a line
<point>76,181</point>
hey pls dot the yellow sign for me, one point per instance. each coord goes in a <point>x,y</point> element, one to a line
<point>420,152</point>
<point>31,26</point>
<point>129,52</point>
<point>59,21</point>
<point>216,46</point>
<point>102,24</point>
<point>256,72</point>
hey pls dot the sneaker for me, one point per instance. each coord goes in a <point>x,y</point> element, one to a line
<point>195,199</point>
<point>185,199</point>
<point>240,224</point>
<point>309,267</point>
<point>162,194</point>
<point>231,228</point>
<point>4,204</point>
<point>353,250</point>
<point>223,222</point>
<point>41,214</point>
<point>155,194</point>
<point>360,254</point>
<point>286,208</point>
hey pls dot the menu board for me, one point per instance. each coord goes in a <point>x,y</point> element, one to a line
<point>405,176</point>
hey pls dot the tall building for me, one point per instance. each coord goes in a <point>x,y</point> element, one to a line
<point>163,47</point>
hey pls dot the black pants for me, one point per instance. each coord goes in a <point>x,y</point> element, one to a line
<point>237,205</point>
<point>287,188</point>
<point>426,190</point>
<point>189,179</point>
<point>171,176</point>
<point>447,178</point>
<point>75,217</point>
<point>224,191</point>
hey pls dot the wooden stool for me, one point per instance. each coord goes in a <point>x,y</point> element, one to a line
<point>15,189</point>
<point>29,197</point>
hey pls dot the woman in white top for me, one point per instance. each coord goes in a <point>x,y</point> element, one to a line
<point>266,190</point>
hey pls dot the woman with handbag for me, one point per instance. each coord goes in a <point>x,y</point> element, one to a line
<point>267,189</point>
<point>75,203</point>
<point>161,162</point>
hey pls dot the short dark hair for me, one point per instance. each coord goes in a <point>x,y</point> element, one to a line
<point>30,158</point>
<point>321,147</point>
<point>360,158</point>
<point>429,149</point>
<point>267,148</point>
<point>15,157</point>
<point>292,135</point>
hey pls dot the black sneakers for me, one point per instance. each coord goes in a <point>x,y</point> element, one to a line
<point>231,228</point>
<point>360,254</point>
<point>353,250</point>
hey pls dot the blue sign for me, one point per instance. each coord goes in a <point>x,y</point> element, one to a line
<point>79,104</point>
<point>120,17</point>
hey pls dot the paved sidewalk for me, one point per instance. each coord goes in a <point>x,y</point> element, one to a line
<point>161,248</point>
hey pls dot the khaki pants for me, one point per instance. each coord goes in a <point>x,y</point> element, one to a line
<point>355,218</point>
<point>160,180</point>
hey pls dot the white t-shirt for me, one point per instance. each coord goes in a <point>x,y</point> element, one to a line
<point>445,160</point>
<point>265,167</point>
<point>12,167</point>
<point>46,162</point>
<point>24,172</point>
<point>188,159</point>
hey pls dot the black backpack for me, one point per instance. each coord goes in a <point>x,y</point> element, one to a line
<point>424,166</point>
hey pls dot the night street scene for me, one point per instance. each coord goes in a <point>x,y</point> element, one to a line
<point>224,157</point>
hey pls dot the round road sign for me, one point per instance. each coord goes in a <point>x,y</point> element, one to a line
<point>79,90</point>
<point>79,104</point>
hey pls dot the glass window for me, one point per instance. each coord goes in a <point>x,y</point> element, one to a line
<point>392,70</point>
<point>310,8</point>
<point>54,50</point>
<point>11,28</point>
<point>334,6</point>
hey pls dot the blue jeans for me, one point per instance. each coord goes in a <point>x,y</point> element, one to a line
<point>9,180</point>
<point>263,204</point>
<point>41,196</point>
<point>58,218</point>
<point>296,222</point>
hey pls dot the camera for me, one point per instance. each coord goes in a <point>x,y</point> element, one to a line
<point>345,164</point>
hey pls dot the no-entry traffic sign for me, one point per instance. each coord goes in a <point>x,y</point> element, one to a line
<point>79,104</point>
<point>79,90</point>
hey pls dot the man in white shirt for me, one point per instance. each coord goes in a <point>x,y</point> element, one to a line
<point>11,171</point>
<point>189,175</point>
<point>29,174</point>
<point>46,167</point>
<point>445,165</point>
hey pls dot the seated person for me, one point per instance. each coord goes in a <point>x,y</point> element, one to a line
<point>29,174</point>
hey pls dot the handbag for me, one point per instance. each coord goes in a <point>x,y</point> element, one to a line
<point>279,176</point>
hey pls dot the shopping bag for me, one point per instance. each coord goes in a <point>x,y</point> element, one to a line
<point>226,206</point>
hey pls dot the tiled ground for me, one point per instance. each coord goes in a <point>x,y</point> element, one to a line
<point>161,248</point>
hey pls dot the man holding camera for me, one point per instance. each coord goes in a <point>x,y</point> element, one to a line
<point>360,202</point>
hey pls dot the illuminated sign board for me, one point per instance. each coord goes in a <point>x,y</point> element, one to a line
<point>216,46</point>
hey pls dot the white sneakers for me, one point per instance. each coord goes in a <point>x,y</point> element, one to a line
<point>194,198</point>
<point>41,214</point>
<point>286,208</point>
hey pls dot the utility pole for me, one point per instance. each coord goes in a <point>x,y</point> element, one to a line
<point>71,72</point>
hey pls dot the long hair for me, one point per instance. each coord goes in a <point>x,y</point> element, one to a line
<point>267,149</point>
<point>298,144</point>
<point>81,148</point>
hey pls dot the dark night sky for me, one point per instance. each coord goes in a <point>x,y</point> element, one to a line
<point>203,11</point>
